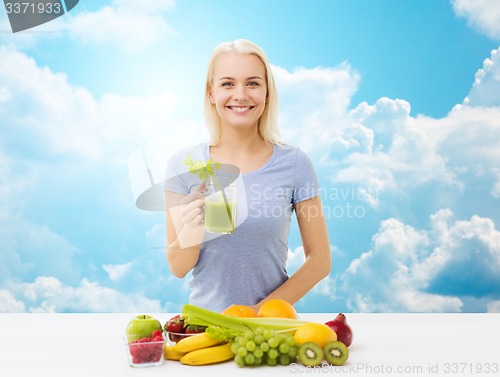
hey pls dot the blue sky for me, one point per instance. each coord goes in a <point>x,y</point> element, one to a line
<point>397,103</point>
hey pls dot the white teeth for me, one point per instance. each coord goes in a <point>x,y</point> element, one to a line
<point>240,109</point>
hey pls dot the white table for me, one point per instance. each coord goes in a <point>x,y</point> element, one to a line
<point>91,345</point>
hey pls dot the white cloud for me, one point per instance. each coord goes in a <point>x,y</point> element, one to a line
<point>126,25</point>
<point>496,187</point>
<point>4,94</point>
<point>493,307</point>
<point>130,26</point>
<point>117,271</point>
<point>295,259</point>
<point>408,153</point>
<point>156,237</point>
<point>485,91</point>
<point>145,6</point>
<point>384,150</point>
<point>9,304</point>
<point>425,271</point>
<point>313,100</point>
<point>470,259</point>
<point>482,14</point>
<point>48,295</point>
<point>29,248</point>
<point>47,116</point>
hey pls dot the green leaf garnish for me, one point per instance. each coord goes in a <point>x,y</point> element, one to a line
<point>203,169</point>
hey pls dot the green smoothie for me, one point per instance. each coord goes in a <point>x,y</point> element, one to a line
<point>219,217</point>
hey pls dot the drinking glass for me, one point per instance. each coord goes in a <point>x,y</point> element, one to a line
<point>220,207</point>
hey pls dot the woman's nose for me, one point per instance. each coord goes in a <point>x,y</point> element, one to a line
<point>240,93</point>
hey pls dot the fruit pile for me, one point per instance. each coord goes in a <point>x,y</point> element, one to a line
<point>273,336</point>
<point>148,349</point>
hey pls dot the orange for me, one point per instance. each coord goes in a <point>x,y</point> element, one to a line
<point>277,308</point>
<point>314,332</point>
<point>239,311</point>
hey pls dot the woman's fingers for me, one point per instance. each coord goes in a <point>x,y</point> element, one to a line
<point>198,194</point>
<point>193,212</point>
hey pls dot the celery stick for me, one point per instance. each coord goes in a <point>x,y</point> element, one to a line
<point>198,316</point>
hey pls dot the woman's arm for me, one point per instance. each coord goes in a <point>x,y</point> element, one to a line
<point>185,230</point>
<point>318,261</point>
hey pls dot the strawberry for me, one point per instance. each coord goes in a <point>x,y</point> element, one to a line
<point>175,326</point>
<point>194,329</point>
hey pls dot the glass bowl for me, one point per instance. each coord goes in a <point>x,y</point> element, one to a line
<point>172,338</point>
<point>144,353</point>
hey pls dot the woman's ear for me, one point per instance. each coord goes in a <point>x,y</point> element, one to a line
<point>211,98</point>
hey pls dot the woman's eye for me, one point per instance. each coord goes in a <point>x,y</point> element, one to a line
<point>253,83</point>
<point>227,83</point>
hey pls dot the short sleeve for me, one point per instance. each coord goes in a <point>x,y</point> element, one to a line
<point>306,181</point>
<point>177,177</point>
<point>174,177</point>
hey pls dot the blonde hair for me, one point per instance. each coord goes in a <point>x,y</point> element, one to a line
<point>268,122</point>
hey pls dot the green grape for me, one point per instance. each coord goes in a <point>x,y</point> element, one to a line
<point>264,346</point>
<point>284,348</point>
<point>291,341</point>
<point>258,353</point>
<point>249,335</point>
<point>242,341</point>
<point>272,353</point>
<point>257,361</point>
<point>268,334</point>
<point>242,351</point>
<point>273,342</point>
<point>234,347</point>
<point>259,339</point>
<point>239,361</point>
<point>250,346</point>
<point>249,359</point>
<point>284,360</point>
<point>259,330</point>
<point>293,352</point>
<point>271,362</point>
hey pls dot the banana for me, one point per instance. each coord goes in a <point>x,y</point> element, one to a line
<point>209,355</point>
<point>194,342</point>
<point>171,354</point>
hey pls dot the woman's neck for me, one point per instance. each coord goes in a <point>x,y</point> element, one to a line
<point>240,140</point>
<point>248,151</point>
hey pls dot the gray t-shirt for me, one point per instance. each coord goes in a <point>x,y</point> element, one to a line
<point>249,264</point>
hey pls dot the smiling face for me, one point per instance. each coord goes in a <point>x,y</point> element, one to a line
<point>239,90</point>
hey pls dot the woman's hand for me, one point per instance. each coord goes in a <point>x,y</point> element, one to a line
<point>185,230</point>
<point>194,211</point>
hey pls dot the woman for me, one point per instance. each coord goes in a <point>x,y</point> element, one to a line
<point>248,266</point>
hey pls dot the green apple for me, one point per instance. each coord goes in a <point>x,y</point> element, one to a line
<point>142,326</point>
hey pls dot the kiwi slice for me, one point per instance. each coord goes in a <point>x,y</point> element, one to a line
<point>310,354</point>
<point>336,353</point>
